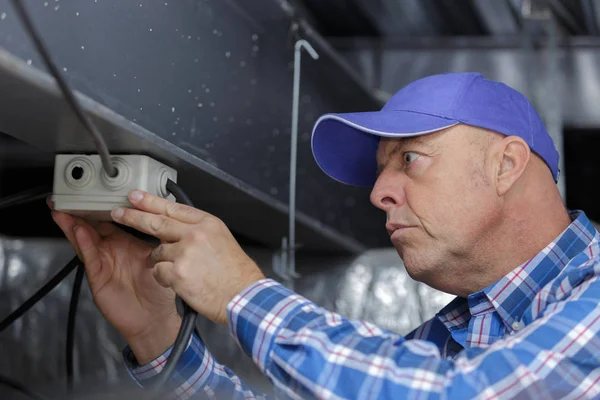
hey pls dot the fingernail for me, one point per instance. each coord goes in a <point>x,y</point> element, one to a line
<point>136,195</point>
<point>118,212</point>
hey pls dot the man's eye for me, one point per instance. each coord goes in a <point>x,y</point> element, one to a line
<point>410,157</point>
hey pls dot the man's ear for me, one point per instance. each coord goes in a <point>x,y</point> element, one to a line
<point>514,157</point>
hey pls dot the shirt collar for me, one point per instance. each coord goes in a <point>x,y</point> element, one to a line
<point>512,294</point>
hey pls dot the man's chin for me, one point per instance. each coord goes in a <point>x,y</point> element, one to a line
<point>417,274</point>
<point>431,276</point>
<point>415,266</point>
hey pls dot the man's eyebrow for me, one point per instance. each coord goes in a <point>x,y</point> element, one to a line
<point>415,140</point>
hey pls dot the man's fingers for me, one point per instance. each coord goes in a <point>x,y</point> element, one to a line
<point>159,226</point>
<point>66,223</point>
<point>87,242</point>
<point>158,205</point>
<point>165,252</point>
<point>84,239</point>
<point>163,273</point>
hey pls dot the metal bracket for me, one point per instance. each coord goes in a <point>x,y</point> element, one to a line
<point>284,261</point>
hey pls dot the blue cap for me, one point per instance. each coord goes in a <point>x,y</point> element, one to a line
<point>345,145</point>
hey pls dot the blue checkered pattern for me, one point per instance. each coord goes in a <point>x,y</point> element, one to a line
<point>535,333</point>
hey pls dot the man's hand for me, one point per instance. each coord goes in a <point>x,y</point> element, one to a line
<point>199,258</point>
<point>118,271</point>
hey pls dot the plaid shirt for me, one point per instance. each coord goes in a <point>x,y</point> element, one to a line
<point>532,334</point>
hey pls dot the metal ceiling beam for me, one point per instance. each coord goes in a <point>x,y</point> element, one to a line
<point>450,43</point>
<point>340,18</point>
<point>458,17</point>
<point>595,5</point>
<point>566,17</point>
<point>590,16</point>
<point>206,87</point>
<point>500,58</point>
<point>33,111</point>
<point>497,16</point>
<point>399,17</point>
<point>294,13</point>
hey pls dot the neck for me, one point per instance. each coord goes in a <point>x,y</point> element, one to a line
<point>525,230</point>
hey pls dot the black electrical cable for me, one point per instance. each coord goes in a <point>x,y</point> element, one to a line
<point>25,196</point>
<point>71,322</point>
<point>183,198</point>
<point>19,312</point>
<point>179,194</point>
<point>6,381</point>
<point>47,288</point>
<point>188,324</point>
<point>111,171</point>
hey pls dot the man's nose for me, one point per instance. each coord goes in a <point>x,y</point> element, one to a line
<point>388,192</point>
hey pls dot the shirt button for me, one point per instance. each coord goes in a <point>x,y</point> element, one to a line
<point>516,325</point>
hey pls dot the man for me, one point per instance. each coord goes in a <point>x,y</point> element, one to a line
<point>466,173</point>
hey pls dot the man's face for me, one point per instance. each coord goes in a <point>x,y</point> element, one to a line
<point>439,200</point>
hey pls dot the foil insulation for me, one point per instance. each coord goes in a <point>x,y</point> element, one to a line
<point>373,287</point>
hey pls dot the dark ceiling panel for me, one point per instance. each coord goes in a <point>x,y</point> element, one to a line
<point>459,18</point>
<point>410,18</point>
<point>205,86</point>
<point>340,18</point>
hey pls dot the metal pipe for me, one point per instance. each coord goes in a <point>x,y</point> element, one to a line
<point>300,44</point>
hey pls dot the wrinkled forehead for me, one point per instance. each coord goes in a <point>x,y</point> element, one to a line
<point>458,135</point>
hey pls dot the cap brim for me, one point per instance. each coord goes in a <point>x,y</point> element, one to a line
<point>345,145</point>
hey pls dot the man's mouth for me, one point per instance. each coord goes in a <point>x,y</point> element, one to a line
<point>396,228</point>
